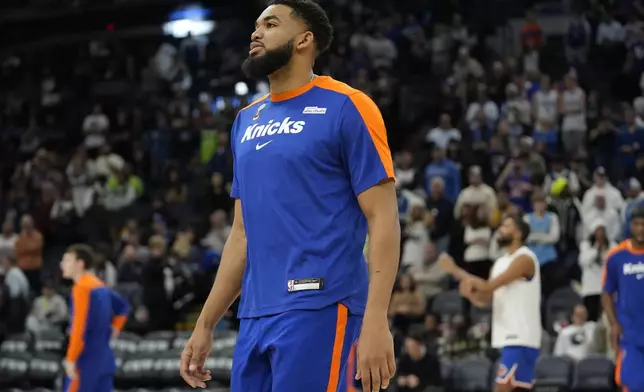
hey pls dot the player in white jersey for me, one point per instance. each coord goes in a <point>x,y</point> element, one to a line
<point>514,289</point>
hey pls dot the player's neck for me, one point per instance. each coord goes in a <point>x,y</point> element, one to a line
<point>289,78</point>
<point>78,276</point>
<point>513,247</point>
<point>635,246</point>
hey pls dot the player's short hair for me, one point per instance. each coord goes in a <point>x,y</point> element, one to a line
<point>83,252</point>
<point>315,18</point>
<point>522,224</point>
<point>637,212</point>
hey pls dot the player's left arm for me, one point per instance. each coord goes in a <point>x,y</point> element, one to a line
<point>120,311</point>
<point>523,267</point>
<point>367,160</point>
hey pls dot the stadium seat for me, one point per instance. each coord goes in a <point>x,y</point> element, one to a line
<point>180,339</point>
<point>44,367</point>
<point>14,368</point>
<point>126,344</point>
<point>167,369</point>
<point>448,303</point>
<point>547,343</point>
<point>478,315</point>
<point>136,372</point>
<point>220,367</point>
<point>16,343</point>
<point>553,373</point>
<point>50,341</point>
<point>595,373</point>
<point>471,375</point>
<point>559,306</point>
<point>156,342</point>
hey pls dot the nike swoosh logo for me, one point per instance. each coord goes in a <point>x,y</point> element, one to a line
<point>262,145</point>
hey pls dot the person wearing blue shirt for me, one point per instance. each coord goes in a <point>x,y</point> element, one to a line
<point>630,141</point>
<point>312,176</point>
<point>442,167</point>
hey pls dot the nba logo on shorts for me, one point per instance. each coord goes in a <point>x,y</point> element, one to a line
<point>290,285</point>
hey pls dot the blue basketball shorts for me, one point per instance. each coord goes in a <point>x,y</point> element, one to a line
<point>295,351</point>
<point>517,366</point>
<point>629,368</point>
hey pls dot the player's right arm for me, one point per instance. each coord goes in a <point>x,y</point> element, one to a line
<point>225,290</point>
<point>80,303</point>
<point>228,282</point>
<point>610,287</point>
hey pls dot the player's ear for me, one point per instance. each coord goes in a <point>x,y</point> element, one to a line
<point>305,40</point>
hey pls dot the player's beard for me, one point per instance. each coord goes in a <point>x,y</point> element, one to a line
<point>260,66</point>
<point>503,241</point>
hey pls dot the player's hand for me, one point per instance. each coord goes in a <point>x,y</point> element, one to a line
<point>193,358</point>
<point>447,263</point>
<point>615,335</point>
<point>70,369</point>
<point>376,362</point>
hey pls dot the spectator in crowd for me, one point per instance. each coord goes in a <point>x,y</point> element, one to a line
<point>407,305</point>
<point>575,340</point>
<point>96,125</point>
<point>572,107</point>
<point>477,238</point>
<point>592,254</point>
<point>543,239</point>
<point>8,239</point>
<point>406,172</point>
<point>48,312</point>
<point>443,133</point>
<point>461,340</point>
<point>559,170</point>
<point>218,233</point>
<point>602,187</point>
<point>476,193</point>
<point>416,238</point>
<point>103,268</point>
<point>445,169</point>
<point>600,211</point>
<point>442,212</point>
<point>15,279</point>
<point>429,276</point>
<point>29,248</point>
<point>417,369</point>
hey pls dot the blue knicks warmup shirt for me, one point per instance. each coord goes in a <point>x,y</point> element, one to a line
<point>301,158</point>
<point>624,276</point>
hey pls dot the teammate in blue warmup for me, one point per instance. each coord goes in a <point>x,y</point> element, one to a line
<point>313,174</point>
<point>623,302</point>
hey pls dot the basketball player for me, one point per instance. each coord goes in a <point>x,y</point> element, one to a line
<point>514,289</point>
<point>623,302</point>
<point>97,315</point>
<point>312,175</point>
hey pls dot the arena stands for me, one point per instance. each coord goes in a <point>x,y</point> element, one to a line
<point>115,135</point>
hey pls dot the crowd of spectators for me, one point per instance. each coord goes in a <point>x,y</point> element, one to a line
<point>125,145</point>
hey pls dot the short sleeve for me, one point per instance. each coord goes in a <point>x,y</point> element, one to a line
<point>234,190</point>
<point>610,275</point>
<point>365,150</point>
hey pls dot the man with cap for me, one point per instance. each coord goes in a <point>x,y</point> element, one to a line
<point>602,185</point>
<point>634,198</point>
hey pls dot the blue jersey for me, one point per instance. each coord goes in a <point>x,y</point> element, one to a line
<point>300,160</point>
<point>624,276</point>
